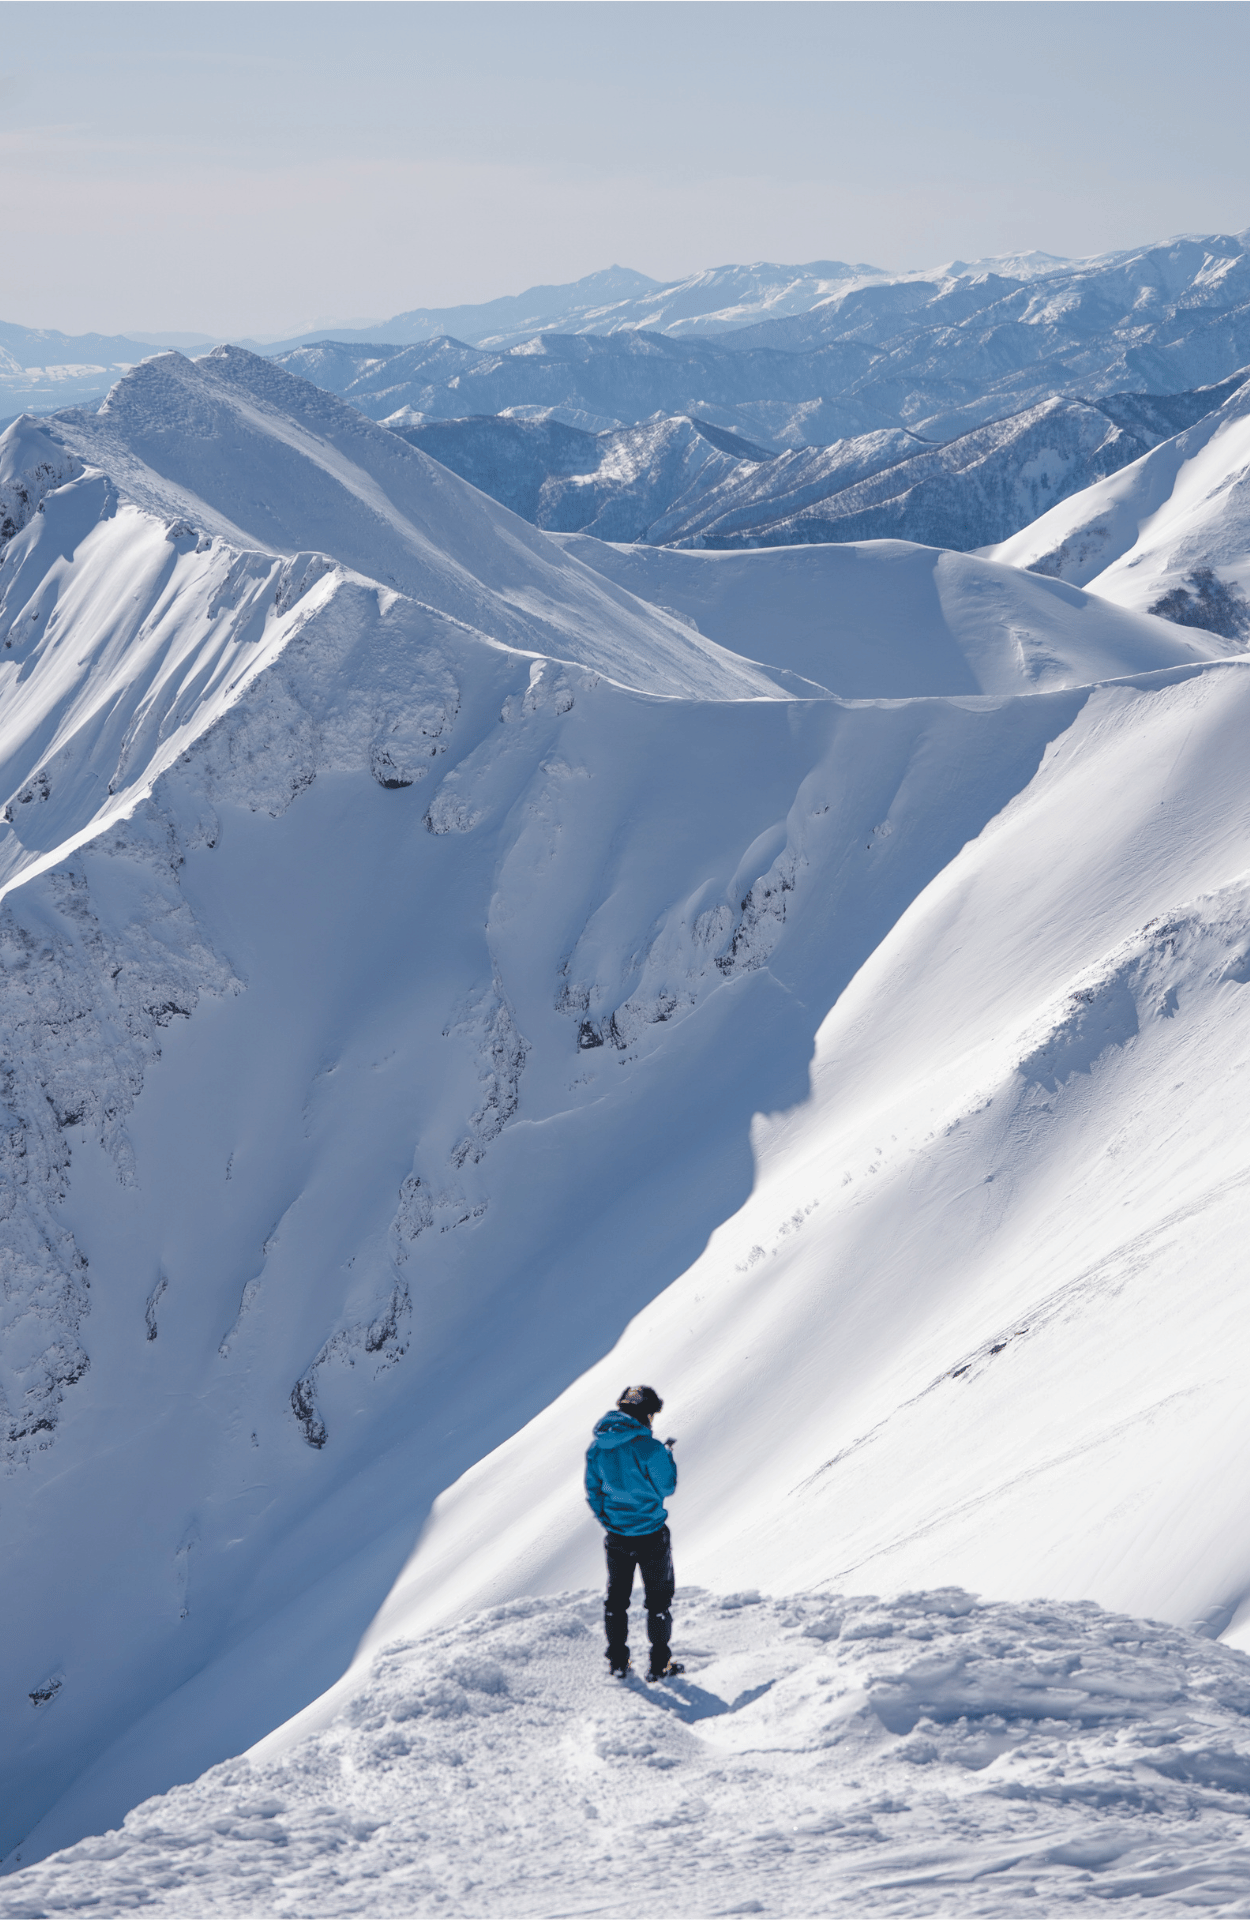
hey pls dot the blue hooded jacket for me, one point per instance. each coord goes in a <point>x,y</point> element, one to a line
<point>629,1475</point>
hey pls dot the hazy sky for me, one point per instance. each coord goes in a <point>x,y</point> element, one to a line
<point>256,168</point>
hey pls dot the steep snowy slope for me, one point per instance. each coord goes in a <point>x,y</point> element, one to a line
<point>270,460</point>
<point>1170,534</point>
<point>390,1035</point>
<point>125,615</point>
<point>983,1314</point>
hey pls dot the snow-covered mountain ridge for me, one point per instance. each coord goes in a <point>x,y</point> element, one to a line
<point>391,1035</point>
<point>733,298</point>
<point>616,485</point>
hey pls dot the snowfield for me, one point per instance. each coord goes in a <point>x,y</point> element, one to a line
<point>926,1755</point>
<point>450,971</point>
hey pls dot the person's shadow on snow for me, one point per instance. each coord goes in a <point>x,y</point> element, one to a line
<point>689,1702</point>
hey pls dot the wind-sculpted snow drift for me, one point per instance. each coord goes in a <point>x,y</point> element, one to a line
<point>405,921</point>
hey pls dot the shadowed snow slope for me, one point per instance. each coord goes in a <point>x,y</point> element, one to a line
<point>1168,535</point>
<point>921,1756</point>
<point>404,924</point>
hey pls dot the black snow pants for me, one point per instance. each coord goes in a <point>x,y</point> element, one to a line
<point>652,1553</point>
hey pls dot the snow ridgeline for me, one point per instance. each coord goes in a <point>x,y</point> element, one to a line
<point>252,674</point>
<point>926,1755</point>
<point>461,1070</point>
<point>133,626</point>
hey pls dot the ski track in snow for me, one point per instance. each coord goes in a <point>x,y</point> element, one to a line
<point>926,1755</point>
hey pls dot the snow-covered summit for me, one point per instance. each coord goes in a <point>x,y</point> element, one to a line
<point>176,526</point>
<point>261,458</point>
<point>912,1756</point>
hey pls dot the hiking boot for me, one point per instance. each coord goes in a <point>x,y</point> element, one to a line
<point>667,1672</point>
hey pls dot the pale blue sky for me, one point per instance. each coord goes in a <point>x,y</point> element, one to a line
<point>254,168</point>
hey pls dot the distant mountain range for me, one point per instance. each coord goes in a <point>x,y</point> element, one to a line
<point>715,300</point>
<point>681,481</point>
<point>936,354</point>
<point>954,345</point>
<point>767,404</point>
<point>42,369</point>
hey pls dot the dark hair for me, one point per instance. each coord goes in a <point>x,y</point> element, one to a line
<point>640,1403</point>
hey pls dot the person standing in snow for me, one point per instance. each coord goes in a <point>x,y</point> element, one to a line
<point>629,1475</point>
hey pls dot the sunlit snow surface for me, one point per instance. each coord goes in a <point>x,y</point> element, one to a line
<point>928,1755</point>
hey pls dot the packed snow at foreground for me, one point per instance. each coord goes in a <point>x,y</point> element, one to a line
<point>925,1755</point>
